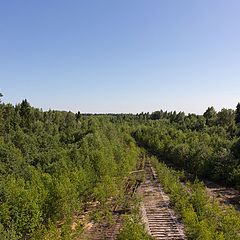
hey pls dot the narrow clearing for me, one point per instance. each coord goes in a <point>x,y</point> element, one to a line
<point>104,231</point>
<point>160,220</point>
<point>109,229</point>
<point>224,195</point>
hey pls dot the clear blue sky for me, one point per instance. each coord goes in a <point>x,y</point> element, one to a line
<point>121,56</point>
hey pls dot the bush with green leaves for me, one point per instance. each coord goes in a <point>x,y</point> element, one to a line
<point>133,229</point>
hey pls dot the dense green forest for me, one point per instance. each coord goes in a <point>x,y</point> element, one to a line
<point>207,146</point>
<point>52,163</point>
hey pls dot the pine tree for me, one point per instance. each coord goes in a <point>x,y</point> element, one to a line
<point>1,117</point>
<point>210,116</point>
<point>237,114</point>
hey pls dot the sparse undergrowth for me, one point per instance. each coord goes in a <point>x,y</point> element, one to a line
<point>133,228</point>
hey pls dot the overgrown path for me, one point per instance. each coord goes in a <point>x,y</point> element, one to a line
<point>108,229</point>
<point>225,195</point>
<point>160,219</point>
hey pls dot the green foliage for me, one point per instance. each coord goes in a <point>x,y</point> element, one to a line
<point>237,116</point>
<point>211,153</point>
<point>211,116</point>
<point>21,206</point>
<point>133,230</point>
<point>202,218</point>
<point>52,163</point>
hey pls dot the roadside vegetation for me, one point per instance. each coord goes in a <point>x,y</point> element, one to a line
<point>202,218</point>
<point>133,228</point>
